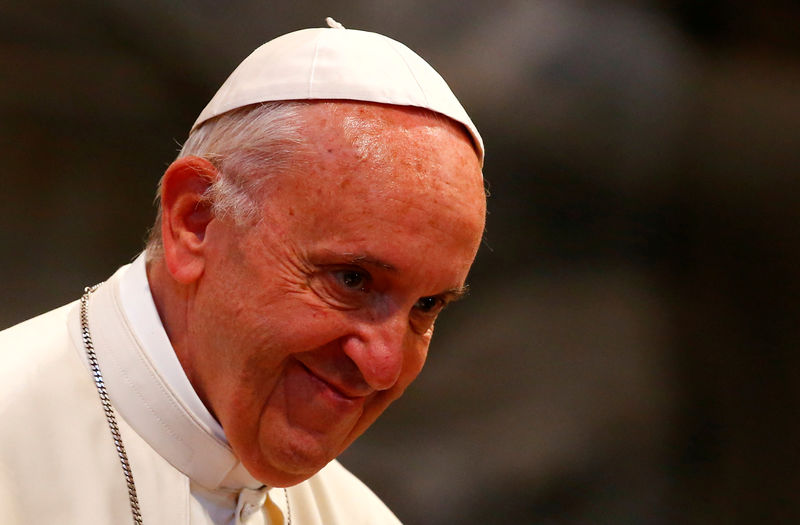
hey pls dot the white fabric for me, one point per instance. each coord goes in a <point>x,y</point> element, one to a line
<point>59,465</point>
<point>145,400</point>
<point>338,63</point>
<point>139,308</point>
<point>136,300</point>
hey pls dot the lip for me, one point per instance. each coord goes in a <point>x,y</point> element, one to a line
<point>337,389</point>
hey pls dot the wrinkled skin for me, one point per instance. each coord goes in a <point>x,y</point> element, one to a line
<point>298,332</point>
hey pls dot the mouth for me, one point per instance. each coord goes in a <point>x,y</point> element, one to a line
<point>339,391</point>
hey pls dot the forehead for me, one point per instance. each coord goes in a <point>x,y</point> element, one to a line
<point>386,147</point>
<point>370,169</point>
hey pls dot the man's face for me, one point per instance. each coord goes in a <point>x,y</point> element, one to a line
<point>305,327</point>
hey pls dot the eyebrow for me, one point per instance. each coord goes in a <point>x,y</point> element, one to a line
<point>456,294</point>
<point>367,259</point>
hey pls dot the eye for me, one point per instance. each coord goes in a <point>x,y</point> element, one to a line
<point>353,279</point>
<point>428,304</point>
<point>342,286</point>
<point>426,309</point>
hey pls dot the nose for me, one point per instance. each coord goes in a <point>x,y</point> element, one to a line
<point>377,349</point>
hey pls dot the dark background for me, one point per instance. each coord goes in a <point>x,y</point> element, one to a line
<point>629,352</point>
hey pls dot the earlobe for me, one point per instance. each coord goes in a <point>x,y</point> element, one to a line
<point>186,214</point>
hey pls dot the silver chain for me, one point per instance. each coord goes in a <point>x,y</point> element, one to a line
<point>107,408</point>
<point>288,508</point>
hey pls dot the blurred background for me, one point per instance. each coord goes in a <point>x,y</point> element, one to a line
<point>628,354</point>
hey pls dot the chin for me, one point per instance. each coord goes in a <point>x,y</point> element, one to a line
<point>283,477</point>
<point>289,465</point>
<point>280,479</point>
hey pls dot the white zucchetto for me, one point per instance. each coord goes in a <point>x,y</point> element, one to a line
<point>338,63</point>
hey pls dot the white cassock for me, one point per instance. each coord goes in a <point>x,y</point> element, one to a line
<point>58,463</point>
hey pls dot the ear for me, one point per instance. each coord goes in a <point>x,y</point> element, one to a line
<point>185,216</point>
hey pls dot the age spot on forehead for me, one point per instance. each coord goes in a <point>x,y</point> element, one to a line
<point>401,148</point>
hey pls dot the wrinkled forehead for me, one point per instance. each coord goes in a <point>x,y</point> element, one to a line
<point>368,158</point>
<point>395,141</point>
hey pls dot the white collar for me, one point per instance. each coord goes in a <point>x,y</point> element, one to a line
<point>148,387</point>
<point>140,309</point>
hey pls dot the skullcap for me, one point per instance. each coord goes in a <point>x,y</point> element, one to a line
<point>338,63</point>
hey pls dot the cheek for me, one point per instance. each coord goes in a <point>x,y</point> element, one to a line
<point>412,366</point>
<point>417,361</point>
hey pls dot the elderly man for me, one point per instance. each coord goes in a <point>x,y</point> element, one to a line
<point>326,206</point>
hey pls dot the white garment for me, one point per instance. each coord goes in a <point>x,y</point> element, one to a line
<point>137,304</point>
<point>58,463</point>
<point>140,309</point>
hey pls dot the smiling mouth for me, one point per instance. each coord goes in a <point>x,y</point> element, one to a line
<point>330,386</point>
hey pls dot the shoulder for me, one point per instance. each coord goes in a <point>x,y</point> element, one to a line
<point>42,377</point>
<point>342,498</point>
<point>40,328</point>
<point>41,369</point>
<point>52,424</point>
<point>33,345</point>
<point>31,341</point>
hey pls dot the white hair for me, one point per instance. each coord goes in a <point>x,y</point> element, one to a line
<point>247,146</point>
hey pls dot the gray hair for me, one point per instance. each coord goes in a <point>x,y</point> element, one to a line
<point>247,146</point>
